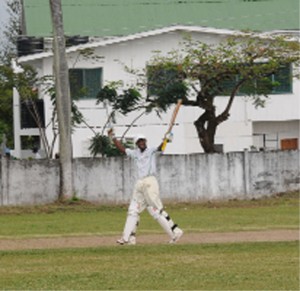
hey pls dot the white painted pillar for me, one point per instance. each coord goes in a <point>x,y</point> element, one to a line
<point>17,123</point>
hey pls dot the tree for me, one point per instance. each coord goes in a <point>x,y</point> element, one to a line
<point>24,81</point>
<point>127,100</point>
<point>63,101</point>
<point>76,116</point>
<point>14,28</point>
<point>239,65</point>
<point>8,44</point>
<point>199,72</point>
<point>6,105</point>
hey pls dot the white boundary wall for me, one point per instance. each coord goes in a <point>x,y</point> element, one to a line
<point>197,177</point>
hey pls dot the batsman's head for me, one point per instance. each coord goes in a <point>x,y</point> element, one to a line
<point>141,142</point>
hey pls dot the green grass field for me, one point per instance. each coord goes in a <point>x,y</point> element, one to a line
<point>228,266</point>
<point>247,266</point>
<point>280,212</point>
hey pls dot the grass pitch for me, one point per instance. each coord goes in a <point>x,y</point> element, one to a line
<point>247,266</point>
<point>79,218</point>
<point>237,266</point>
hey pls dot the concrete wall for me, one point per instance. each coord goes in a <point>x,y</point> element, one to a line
<point>28,181</point>
<point>197,177</point>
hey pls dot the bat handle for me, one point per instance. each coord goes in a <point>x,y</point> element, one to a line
<point>164,144</point>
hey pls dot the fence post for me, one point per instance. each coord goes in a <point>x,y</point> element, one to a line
<point>246,171</point>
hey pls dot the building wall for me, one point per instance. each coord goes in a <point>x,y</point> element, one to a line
<point>190,178</point>
<point>134,54</point>
<point>269,134</point>
<point>279,107</point>
<point>235,134</point>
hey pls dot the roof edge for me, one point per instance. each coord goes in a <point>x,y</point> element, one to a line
<point>173,28</point>
<point>130,37</point>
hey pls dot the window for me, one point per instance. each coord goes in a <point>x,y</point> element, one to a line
<point>30,142</point>
<point>32,113</point>
<point>85,83</point>
<point>284,78</point>
<point>277,83</point>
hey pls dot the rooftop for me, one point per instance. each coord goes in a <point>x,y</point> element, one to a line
<point>126,17</point>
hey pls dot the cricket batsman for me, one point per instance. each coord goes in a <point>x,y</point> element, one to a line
<point>146,192</point>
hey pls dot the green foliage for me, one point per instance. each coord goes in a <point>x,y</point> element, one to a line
<point>11,31</point>
<point>76,115</point>
<point>6,106</point>
<point>128,100</point>
<point>242,64</point>
<point>165,85</point>
<point>107,94</point>
<point>24,81</point>
<point>101,145</point>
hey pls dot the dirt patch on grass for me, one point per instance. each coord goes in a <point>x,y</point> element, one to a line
<point>187,238</point>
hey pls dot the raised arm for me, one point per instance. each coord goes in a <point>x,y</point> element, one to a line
<point>116,142</point>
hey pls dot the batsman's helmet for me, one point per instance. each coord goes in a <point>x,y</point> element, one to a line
<point>138,137</point>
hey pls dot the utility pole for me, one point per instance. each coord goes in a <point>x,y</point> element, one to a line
<point>63,101</point>
<point>22,19</point>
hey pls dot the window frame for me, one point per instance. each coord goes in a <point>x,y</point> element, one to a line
<point>276,89</point>
<point>83,77</point>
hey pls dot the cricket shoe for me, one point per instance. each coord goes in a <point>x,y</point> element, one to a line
<point>177,235</point>
<point>131,241</point>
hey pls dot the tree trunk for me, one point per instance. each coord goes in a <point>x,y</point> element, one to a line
<point>206,126</point>
<point>63,101</point>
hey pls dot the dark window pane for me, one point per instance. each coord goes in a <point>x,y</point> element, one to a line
<point>279,82</point>
<point>85,83</point>
<point>29,142</point>
<point>32,113</point>
<point>284,79</point>
<point>92,82</point>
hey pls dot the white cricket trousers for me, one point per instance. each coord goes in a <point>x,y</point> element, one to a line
<point>146,195</point>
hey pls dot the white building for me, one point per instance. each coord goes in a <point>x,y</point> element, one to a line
<point>274,127</point>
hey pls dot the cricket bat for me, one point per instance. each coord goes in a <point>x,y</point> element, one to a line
<point>174,115</point>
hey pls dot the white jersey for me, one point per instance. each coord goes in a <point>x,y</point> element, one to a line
<point>145,161</point>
